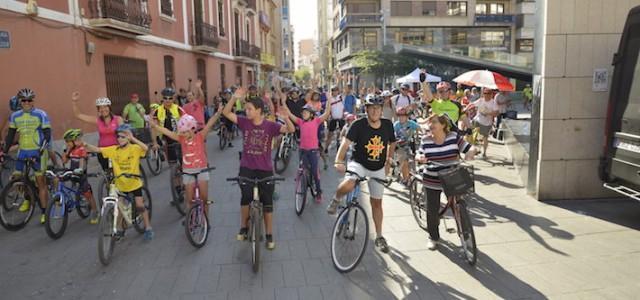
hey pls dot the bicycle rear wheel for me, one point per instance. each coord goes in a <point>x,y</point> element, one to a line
<point>301,192</point>
<point>177,190</point>
<point>418,201</point>
<point>197,226</point>
<point>256,237</point>
<point>466,234</point>
<point>82,206</point>
<point>349,238</point>
<point>154,161</point>
<point>138,221</point>
<point>57,218</point>
<point>222,142</point>
<point>13,196</point>
<point>106,238</point>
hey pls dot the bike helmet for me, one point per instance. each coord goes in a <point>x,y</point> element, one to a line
<point>386,93</point>
<point>395,91</point>
<point>405,86</point>
<point>72,134</point>
<point>186,123</point>
<point>294,89</point>
<point>227,91</point>
<point>309,108</point>
<point>443,85</point>
<point>401,111</point>
<point>168,92</point>
<point>103,101</point>
<point>14,104</point>
<point>253,88</point>
<point>26,93</point>
<point>373,99</point>
<point>123,127</point>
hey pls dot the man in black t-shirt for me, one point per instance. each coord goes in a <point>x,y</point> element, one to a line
<point>374,142</point>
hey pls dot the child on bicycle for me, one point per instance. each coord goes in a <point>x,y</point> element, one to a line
<point>406,130</point>
<point>125,159</point>
<point>194,154</point>
<point>309,142</point>
<point>77,156</point>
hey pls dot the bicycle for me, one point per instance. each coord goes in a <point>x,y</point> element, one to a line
<point>110,215</point>
<point>21,188</point>
<point>304,181</point>
<point>255,224</point>
<point>63,201</point>
<point>458,185</point>
<point>225,135</point>
<point>352,223</point>
<point>175,182</point>
<point>283,153</point>
<point>155,158</point>
<point>197,222</point>
<point>395,171</point>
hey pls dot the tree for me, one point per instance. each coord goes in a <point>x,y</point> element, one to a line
<point>302,74</point>
<point>385,64</point>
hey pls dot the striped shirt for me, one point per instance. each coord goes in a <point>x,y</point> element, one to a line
<point>447,154</point>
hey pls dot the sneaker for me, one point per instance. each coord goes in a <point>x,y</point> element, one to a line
<point>43,218</point>
<point>230,145</point>
<point>242,235</point>
<point>93,219</point>
<point>276,196</point>
<point>270,243</point>
<point>333,206</point>
<point>432,244</point>
<point>119,235</point>
<point>319,198</point>
<point>148,235</point>
<point>25,206</point>
<point>381,243</point>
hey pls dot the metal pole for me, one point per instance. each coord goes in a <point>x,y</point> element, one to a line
<point>384,29</point>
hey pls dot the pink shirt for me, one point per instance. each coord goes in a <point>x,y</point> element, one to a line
<point>194,155</point>
<point>309,133</point>
<point>107,132</point>
<point>196,109</point>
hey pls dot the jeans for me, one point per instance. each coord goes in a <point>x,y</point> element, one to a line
<point>433,213</point>
<point>310,158</point>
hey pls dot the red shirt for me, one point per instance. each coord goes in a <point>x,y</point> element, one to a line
<point>196,109</point>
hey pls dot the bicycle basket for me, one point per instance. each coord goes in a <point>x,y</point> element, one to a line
<point>457,180</point>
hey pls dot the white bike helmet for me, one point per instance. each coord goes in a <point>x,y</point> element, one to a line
<point>103,101</point>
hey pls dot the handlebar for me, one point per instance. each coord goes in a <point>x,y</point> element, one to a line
<point>246,180</point>
<point>363,178</point>
<point>128,176</point>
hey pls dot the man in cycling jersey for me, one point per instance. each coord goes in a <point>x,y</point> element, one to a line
<point>34,130</point>
<point>442,104</point>
<point>336,122</point>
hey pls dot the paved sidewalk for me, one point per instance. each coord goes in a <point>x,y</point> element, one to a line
<point>528,250</point>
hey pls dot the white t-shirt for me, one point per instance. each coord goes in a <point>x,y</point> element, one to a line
<point>501,101</point>
<point>337,107</point>
<point>401,101</point>
<point>485,109</point>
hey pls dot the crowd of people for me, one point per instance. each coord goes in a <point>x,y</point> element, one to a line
<point>371,128</point>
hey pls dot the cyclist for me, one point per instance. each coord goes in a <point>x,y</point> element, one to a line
<point>487,110</point>
<point>256,159</point>
<point>444,105</point>
<point>106,121</point>
<point>374,144</point>
<point>406,130</point>
<point>125,159</point>
<point>133,113</point>
<point>32,125</point>
<point>196,105</point>
<point>388,110</point>
<point>194,154</point>
<point>441,145</point>
<point>168,115</point>
<point>403,99</point>
<point>336,106</point>
<point>349,99</point>
<point>309,142</point>
<point>294,102</point>
<point>77,156</point>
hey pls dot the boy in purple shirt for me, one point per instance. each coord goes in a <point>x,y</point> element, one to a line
<point>258,134</point>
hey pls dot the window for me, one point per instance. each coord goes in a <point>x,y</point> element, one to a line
<point>362,8</point>
<point>166,7</point>
<point>524,45</point>
<point>418,38</point>
<point>492,38</point>
<point>123,76</point>
<point>458,37</point>
<point>223,74</point>
<point>490,9</point>
<point>248,33</point>
<point>169,75</point>
<point>221,18</point>
<point>401,8</point>
<point>497,8</point>
<point>239,75</point>
<point>370,39</point>
<point>456,8</point>
<point>481,9</point>
<point>201,72</point>
<point>429,8</point>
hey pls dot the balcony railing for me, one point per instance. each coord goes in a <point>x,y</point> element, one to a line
<point>206,37</point>
<point>267,59</point>
<point>495,19</point>
<point>128,16</point>
<point>254,52</point>
<point>247,50</point>
<point>364,19</point>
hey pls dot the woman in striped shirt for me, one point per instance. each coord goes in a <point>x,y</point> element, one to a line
<point>441,146</point>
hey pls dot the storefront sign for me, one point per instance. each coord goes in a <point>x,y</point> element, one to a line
<point>5,40</point>
<point>600,80</point>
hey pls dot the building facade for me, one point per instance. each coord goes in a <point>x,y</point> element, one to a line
<point>104,48</point>
<point>306,53</point>
<point>287,54</point>
<point>477,28</point>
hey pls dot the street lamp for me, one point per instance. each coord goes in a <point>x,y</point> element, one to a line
<point>384,28</point>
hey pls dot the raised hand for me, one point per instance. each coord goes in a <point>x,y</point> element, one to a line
<point>75,96</point>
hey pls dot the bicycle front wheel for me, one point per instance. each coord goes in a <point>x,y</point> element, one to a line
<point>301,192</point>
<point>57,218</point>
<point>349,238</point>
<point>256,237</point>
<point>466,234</point>
<point>418,201</point>
<point>18,203</point>
<point>197,226</point>
<point>106,237</point>
<point>154,162</point>
<point>177,190</point>
<point>222,142</point>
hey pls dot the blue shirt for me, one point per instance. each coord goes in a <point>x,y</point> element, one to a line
<point>349,103</point>
<point>405,131</point>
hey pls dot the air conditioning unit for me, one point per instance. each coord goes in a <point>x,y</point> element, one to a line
<point>32,8</point>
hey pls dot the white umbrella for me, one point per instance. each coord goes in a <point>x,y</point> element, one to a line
<point>414,77</point>
<point>485,78</point>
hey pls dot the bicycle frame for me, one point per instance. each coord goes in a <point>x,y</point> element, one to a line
<point>66,196</point>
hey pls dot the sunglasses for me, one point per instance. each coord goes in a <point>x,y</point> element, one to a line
<point>487,93</point>
<point>167,98</point>
<point>26,100</point>
<point>122,136</point>
<point>442,91</point>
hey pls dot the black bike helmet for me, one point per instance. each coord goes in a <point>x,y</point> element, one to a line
<point>168,92</point>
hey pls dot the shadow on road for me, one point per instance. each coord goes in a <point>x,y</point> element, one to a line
<point>624,212</point>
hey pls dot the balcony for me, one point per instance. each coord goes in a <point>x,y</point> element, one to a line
<point>496,19</point>
<point>360,20</point>
<point>247,50</point>
<point>120,17</point>
<point>265,24</point>
<point>347,52</point>
<point>267,59</point>
<point>205,38</point>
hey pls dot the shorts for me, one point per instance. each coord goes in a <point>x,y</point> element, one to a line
<point>335,124</point>
<point>39,166</point>
<point>403,153</point>
<point>135,193</point>
<point>484,130</point>
<point>265,190</point>
<point>376,189</point>
<point>173,151</point>
<point>189,179</point>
